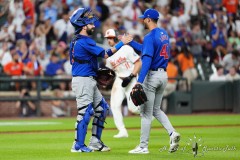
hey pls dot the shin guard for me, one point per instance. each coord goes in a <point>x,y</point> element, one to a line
<point>83,118</point>
<point>101,111</point>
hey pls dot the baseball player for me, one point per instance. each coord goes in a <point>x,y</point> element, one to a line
<point>153,79</point>
<point>90,102</point>
<point>126,64</point>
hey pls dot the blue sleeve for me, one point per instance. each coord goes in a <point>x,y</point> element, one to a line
<point>146,62</point>
<point>136,46</point>
<point>148,47</point>
<point>93,48</point>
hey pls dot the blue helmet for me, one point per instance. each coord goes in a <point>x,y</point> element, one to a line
<point>82,17</point>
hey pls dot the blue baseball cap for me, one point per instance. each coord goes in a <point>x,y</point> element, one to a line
<point>150,13</point>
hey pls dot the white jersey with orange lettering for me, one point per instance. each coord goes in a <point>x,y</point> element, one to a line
<point>122,62</point>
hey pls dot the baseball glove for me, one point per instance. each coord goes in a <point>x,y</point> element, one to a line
<point>105,77</point>
<point>138,95</point>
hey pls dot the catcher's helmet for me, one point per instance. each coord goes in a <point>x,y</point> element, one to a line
<point>82,17</point>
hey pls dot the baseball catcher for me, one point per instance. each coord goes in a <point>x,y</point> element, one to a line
<point>138,95</point>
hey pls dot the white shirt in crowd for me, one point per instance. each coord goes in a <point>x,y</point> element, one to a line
<point>215,77</point>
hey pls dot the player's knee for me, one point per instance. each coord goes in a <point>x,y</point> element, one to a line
<point>85,113</point>
<point>102,109</point>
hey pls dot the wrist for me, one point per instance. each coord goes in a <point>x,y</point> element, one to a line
<point>109,52</point>
<point>119,45</point>
<point>132,75</point>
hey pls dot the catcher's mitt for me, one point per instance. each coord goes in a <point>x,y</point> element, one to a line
<point>138,95</point>
<point>105,77</point>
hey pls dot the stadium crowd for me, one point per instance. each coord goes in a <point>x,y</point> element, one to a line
<point>34,39</point>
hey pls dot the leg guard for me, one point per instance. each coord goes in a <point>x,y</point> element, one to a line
<point>83,118</point>
<point>101,111</point>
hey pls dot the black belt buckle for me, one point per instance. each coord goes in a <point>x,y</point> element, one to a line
<point>158,69</point>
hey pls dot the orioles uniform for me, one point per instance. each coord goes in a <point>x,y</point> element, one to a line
<point>122,62</point>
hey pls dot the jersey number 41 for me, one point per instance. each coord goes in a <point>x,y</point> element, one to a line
<point>164,51</point>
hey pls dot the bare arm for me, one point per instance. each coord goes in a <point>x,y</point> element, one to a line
<point>137,67</point>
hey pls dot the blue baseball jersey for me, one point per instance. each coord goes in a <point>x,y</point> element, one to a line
<point>155,51</point>
<point>85,49</point>
<point>156,45</point>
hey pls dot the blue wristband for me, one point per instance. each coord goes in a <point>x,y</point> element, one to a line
<point>119,45</point>
<point>109,52</point>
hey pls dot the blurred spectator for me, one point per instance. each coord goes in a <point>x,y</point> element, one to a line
<point>54,67</point>
<point>34,69</point>
<point>197,42</point>
<point>234,40</point>
<point>47,29</point>
<point>193,8</point>
<point>4,34</point>
<point>16,10</point>
<point>231,25</point>
<point>163,5</point>
<point>67,65</point>
<point>27,107</point>
<point>44,60</point>
<point>24,34</point>
<point>6,55</point>
<point>183,36</point>
<point>29,10</point>
<point>219,37</point>
<point>166,25</point>
<point>22,50</point>
<point>130,14</point>
<point>218,75</point>
<point>212,4</point>
<point>231,6</point>
<point>60,108</point>
<point>60,50</point>
<point>63,29</point>
<point>231,60</point>
<point>40,38</point>
<point>174,5</point>
<point>15,67</point>
<point>187,67</point>
<point>4,9</point>
<point>49,10</point>
<point>232,75</point>
<point>174,49</point>
<point>103,9</point>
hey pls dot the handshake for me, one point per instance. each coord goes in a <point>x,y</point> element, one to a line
<point>126,38</point>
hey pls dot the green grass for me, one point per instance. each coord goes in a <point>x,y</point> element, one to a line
<point>53,142</point>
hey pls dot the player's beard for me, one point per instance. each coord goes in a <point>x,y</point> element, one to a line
<point>90,31</point>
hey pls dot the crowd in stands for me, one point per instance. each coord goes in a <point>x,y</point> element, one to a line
<point>34,40</point>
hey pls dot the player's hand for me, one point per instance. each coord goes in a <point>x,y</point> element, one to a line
<point>127,38</point>
<point>127,80</point>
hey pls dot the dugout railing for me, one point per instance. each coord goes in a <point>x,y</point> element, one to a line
<point>6,81</point>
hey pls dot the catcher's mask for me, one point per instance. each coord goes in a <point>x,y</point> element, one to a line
<point>82,17</point>
<point>105,77</point>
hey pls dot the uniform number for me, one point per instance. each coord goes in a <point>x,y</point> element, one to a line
<point>164,51</point>
<point>127,65</point>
